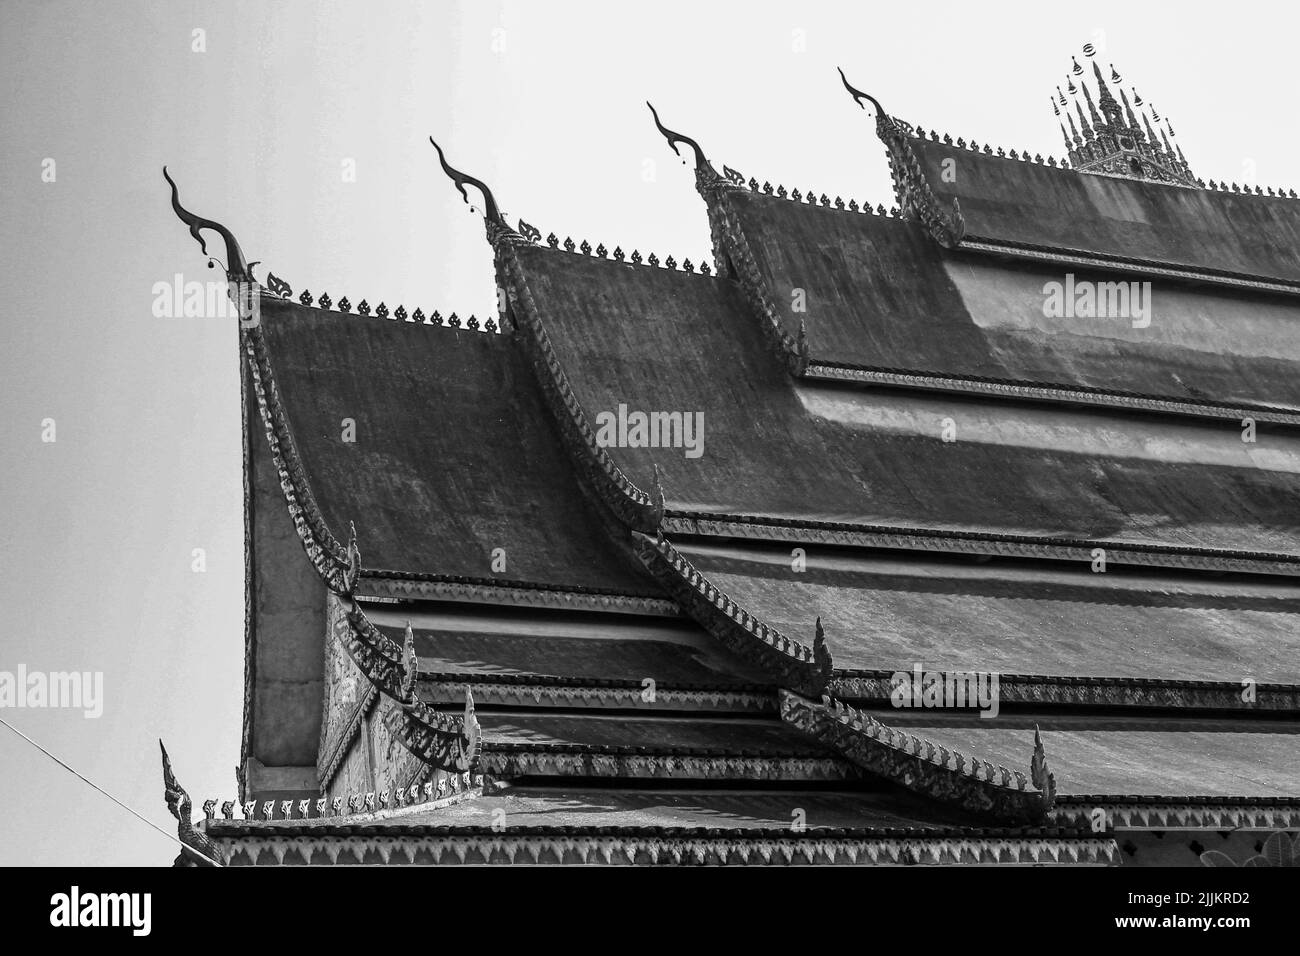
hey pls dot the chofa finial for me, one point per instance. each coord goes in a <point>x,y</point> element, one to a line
<point>703,168</point>
<point>859,96</point>
<point>496,225</point>
<point>237,268</point>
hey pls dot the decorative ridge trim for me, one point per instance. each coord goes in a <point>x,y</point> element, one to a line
<point>921,765</point>
<point>1046,391</point>
<point>1065,801</point>
<point>637,509</point>
<point>198,848</point>
<point>738,184</point>
<point>934,136</point>
<point>709,524</point>
<point>1177,695</point>
<point>915,197</point>
<point>987,150</point>
<point>1097,260</point>
<point>433,845</point>
<point>1174,813</point>
<point>324,303</point>
<point>791,663</point>
<point>362,808</point>
<point>650,261</point>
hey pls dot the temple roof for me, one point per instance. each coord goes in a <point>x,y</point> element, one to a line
<point>881,295</point>
<point>886,613</point>
<point>453,455</point>
<point>1136,756</point>
<point>782,450</point>
<point>1043,211</point>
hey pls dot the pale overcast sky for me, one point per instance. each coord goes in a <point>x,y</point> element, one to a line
<point>544,101</point>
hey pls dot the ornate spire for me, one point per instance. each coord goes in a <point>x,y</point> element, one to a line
<point>1092,110</point>
<point>498,229</point>
<point>1112,143</point>
<point>1151,134</point>
<point>1108,105</point>
<point>1128,113</point>
<point>1083,120</point>
<point>237,268</point>
<point>704,171</point>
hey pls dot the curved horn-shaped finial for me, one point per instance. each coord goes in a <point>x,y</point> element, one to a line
<point>674,138</point>
<point>178,801</point>
<point>859,96</point>
<point>490,211</point>
<point>237,268</point>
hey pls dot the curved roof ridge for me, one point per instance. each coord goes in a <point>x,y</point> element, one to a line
<point>634,507</point>
<point>921,765</point>
<point>794,664</point>
<point>337,565</point>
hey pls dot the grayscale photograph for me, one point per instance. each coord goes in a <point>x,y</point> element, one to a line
<point>717,436</point>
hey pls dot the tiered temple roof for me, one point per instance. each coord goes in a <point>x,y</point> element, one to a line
<point>511,640</point>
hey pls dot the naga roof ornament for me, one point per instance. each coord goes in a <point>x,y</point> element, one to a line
<point>237,268</point>
<point>705,174</point>
<point>498,230</point>
<point>200,849</point>
<point>911,188</point>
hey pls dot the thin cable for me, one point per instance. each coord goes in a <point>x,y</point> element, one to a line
<point>172,837</point>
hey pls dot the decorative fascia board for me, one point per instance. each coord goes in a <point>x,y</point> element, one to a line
<point>791,664</point>
<point>416,586</point>
<point>630,695</point>
<point>1136,692</point>
<point>706,524</point>
<point>441,846</point>
<point>1130,266</point>
<point>635,508</point>
<point>537,760</point>
<point>915,763</point>
<point>1041,392</point>
<point>1178,813</point>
